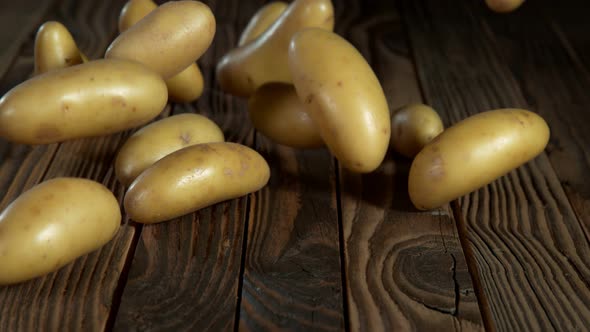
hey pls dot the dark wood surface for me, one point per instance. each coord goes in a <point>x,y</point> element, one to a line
<point>321,248</point>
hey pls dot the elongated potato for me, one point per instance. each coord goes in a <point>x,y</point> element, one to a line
<point>343,96</point>
<point>503,6</point>
<point>55,48</point>
<point>133,11</point>
<point>263,19</point>
<point>92,99</point>
<point>168,39</point>
<point>277,112</point>
<point>412,127</point>
<point>159,139</point>
<point>473,153</point>
<point>193,178</point>
<point>54,223</point>
<point>245,69</point>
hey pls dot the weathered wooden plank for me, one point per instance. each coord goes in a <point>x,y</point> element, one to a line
<point>531,251</point>
<point>405,269</point>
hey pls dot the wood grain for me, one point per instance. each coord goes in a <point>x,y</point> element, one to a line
<point>405,269</point>
<point>531,250</point>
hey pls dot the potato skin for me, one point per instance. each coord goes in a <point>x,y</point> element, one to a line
<point>193,178</point>
<point>133,11</point>
<point>96,98</point>
<point>263,19</point>
<point>277,112</point>
<point>186,86</point>
<point>159,139</point>
<point>54,223</point>
<point>473,153</point>
<point>412,127</point>
<point>168,39</point>
<point>503,6</point>
<point>55,48</point>
<point>245,69</point>
<point>343,97</point>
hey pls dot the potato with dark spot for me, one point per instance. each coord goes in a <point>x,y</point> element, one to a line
<point>55,48</point>
<point>54,223</point>
<point>262,20</point>
<point>503,6</point>
<point>168,39</point>
<point>412,127</point>
<point>159,139</point>
<point>277,112</point>
<point>246,68</point>
<point>96,98</point>
<point>193,178</point>
<point>344,98</point>
<point>473,153</point>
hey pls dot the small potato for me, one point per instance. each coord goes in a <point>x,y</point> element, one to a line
<point>193,178</point>
<point>412,127</point>
<point>503,6</point>
<point>186,86</point>
<point>243,70</point>
<point>277,112</point>
<point>168,39</point>
<point>473,153</point>
<point>55,48</point>
<point>54,223</point>
<point>263,19</point>
<point>343,97</point>
<point>133,11</point>
<point>96,98</point>
<point>159,139</point>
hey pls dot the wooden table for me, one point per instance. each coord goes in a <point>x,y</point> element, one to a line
<point>321,248</point>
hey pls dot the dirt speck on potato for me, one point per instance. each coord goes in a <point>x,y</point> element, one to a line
<point>185,138</point>
<point>437,170</point>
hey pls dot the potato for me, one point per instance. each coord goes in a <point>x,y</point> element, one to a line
<point>54,223</point>
<point>168,39</point>
<point>263,19</point>
<point>412,127</point>
<point>245,69</point>
<point>96,98</point>
<point>133,11</point>
<point>343,98</point>
<point>184,87</point>
<point>473,153</point>
<point>55,48</point>
<point>193,178</point>
<point>161,138</point>
<point>277,112</point>
<point>503,6</point>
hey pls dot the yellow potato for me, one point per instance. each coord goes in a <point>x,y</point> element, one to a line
<point>133,11</point>
<point>96,98</point>
<point>55,48</point>
<point>503,6</point>
<point>263,19</point>
<point>168,39</point>
<point>277,112</point>
<point>54,223</point>
<point>343,96</point>
<point>161,138</point>
<point>473,153</point>
<point>187,86</point>
<point>412,127</point>
<point>193,178</point>
<point>245,69</point>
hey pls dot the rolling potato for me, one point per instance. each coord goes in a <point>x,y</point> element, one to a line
<point>55,48</point>
<point>503,6</point>
<point>96,98</point>
<point>246,68</point>
<point>161,138</point>
<point>168,39</point>
<point>343,97</point>
<point>263,19</point>
<point>277,112</point>
<point>193,178</point>
<point>473,153</point>
<point>412,127</point>
<point>133,11</point>
<point>54,223</point>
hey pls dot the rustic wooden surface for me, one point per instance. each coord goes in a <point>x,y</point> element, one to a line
<point>321,248</point>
